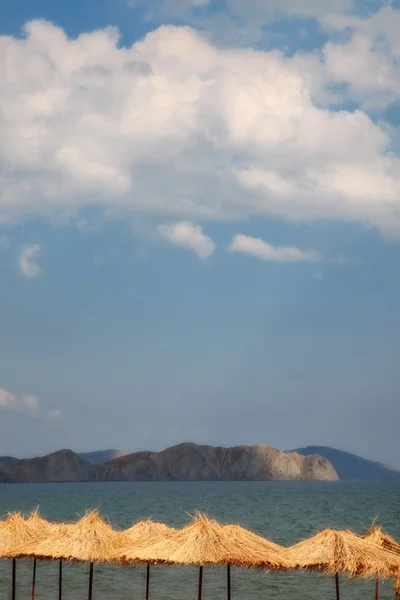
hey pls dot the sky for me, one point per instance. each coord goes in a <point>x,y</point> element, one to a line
<point>199,224</point>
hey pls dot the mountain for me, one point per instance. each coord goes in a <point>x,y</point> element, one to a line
<point>185,462</point>
<point>190,462</point>
<point>7,459</point>
<point>63,465</point>
<point>101,456</point>
<point>351,467</point>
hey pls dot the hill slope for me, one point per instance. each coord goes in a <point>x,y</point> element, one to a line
<point>63,465</point>
<point>186,462</point>
<point>190,462</point>
<point>351,467</point>
<point>101,456</point>
<point>7,459</point>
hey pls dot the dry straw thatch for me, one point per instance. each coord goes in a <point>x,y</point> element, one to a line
<point>206,542</point>
<point>240,535</point>
<point>41,525</point>
<point>382,539</point>
<point>145,532</point>
<point>89,540</point>
<point>333,552</point>
<point>14,531</point>
<point>148,530</point>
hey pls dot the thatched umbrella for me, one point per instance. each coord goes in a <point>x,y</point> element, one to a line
<point>15,531</point>
<point>333,552</point>
<point>146,531</point>
<point>384,540</point>
<point>243,537</point>
<point>205,542</point>
<point>43,529</point>
<point>89,540</point>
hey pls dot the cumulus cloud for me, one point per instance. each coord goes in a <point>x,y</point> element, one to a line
<point>176,128</point>
<point>27,265</point>
<point>367,59</point>
<point>187,235</point>
<point>28,403</point>
<point>264,251</point>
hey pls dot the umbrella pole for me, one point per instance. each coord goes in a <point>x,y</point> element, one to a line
<point>147,582</point>
<point>90,581</point>
<point>337,586</point>
<point>14,568</point>
<point>228,580</point>
<point>33,579</point>
<point>377,588</point>
<point>60,580</point>
<point>200,583</point>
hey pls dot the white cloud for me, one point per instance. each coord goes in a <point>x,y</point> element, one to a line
<point>367,61</point>
<point>264,251</point>
<point>177,129</point>
<point>28,403</point>
<point>187,235</point>
<point>27,258</point>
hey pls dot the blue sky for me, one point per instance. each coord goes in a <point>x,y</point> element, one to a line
<point>199,224</point>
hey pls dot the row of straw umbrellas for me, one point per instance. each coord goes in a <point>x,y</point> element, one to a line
<point>203,542</point>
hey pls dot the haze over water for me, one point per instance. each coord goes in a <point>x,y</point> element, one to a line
<point>284,512</point>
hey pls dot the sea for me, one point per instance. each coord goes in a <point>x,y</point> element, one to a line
<point>284,512</point>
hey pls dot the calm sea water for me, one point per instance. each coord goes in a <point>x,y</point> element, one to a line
<point>284,512</point>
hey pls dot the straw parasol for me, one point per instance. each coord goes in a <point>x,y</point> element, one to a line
<point>15,531</point>
<point>89,540</point>
<point>204,542</point>
<point>243,537</point>
<point>384,540</point>
<point>333,552</point>
<point>43,528</point>
<point>146,531</point>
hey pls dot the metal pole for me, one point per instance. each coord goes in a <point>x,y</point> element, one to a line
<point>60,580</point>
<point>337,586</point>
<point>377,588</point>
<point>200,583</point>
<point>147,582</point>
<point>228,578</point>
<point>14,568</point>
<point>90,581</point>
<point>34,579</point>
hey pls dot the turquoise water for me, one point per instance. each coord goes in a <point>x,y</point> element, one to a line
<point>284,512</point>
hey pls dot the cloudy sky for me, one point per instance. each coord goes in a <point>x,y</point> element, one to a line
<point>199,224</point>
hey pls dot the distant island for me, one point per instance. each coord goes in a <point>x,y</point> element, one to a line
<point>184,462</point>
<point>192,462</point>
<point>351,467</point>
